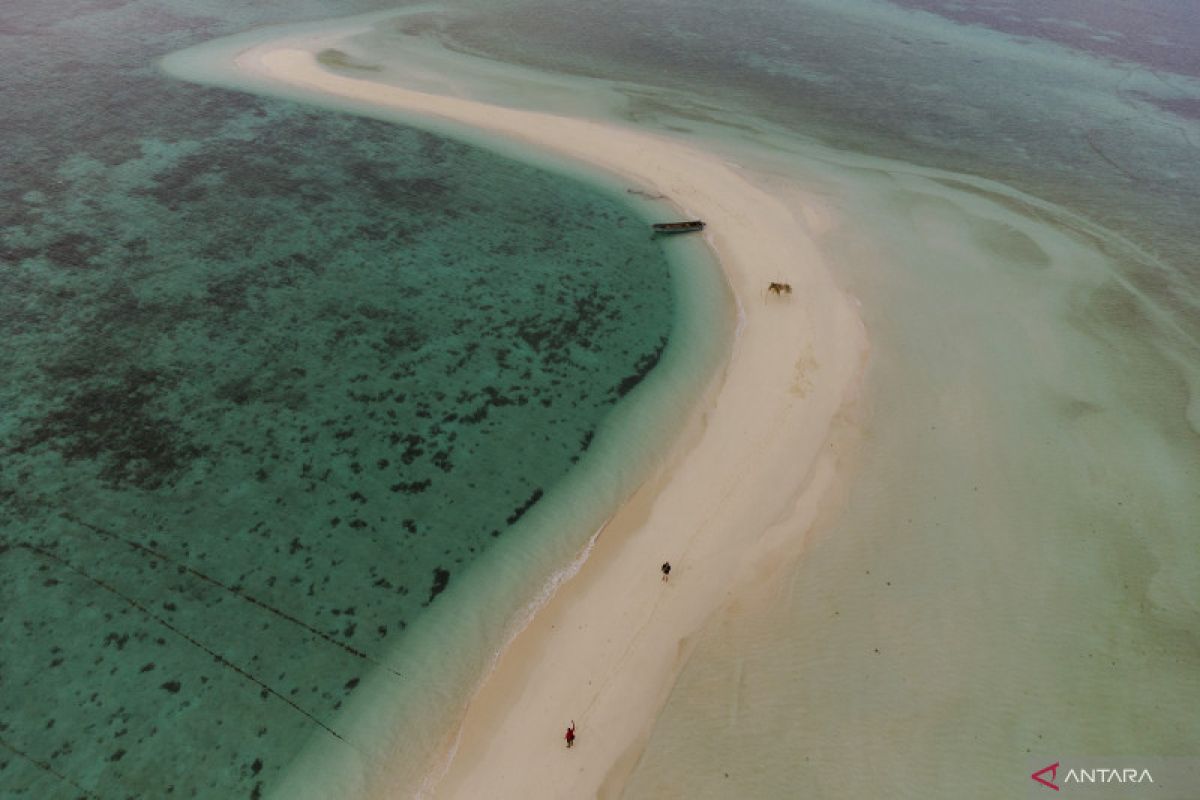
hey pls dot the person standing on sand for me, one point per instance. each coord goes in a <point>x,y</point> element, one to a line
<point>570,737</point>
<point>666,571</point>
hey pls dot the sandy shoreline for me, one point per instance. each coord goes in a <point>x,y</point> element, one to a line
<point>760,465</point>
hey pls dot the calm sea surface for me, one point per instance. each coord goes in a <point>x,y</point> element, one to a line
<point>270,370</point>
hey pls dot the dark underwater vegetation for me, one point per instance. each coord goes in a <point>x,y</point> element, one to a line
<point>272,377</point>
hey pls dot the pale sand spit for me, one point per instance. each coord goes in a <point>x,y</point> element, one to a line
<point>760,464</point>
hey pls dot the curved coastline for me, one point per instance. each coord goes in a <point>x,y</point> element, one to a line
<point>755,471</point>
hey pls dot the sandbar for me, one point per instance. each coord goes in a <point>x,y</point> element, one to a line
<point>761,466</point>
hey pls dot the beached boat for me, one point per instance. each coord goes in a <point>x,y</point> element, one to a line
<point>679,227</point>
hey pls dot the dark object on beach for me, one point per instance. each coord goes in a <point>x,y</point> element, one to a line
<point>570,737</point>
<point>779,288</point>
<point>666,571</point>
<point>679,227</point>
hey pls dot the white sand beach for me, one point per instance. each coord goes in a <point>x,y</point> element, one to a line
<point>765,457</point>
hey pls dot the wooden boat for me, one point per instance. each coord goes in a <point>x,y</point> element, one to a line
<point>679,227</point>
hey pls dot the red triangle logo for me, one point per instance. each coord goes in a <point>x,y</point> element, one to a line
<point>1053,770</point>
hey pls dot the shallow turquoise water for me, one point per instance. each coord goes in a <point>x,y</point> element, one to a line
<point>274,377</point>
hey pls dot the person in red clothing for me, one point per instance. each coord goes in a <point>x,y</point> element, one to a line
<point>570,737</point>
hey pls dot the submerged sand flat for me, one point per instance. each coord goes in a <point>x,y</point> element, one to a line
<point>1010,583</point>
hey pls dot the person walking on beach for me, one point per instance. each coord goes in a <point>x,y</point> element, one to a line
<point>666,571</point>
<point>570,737</point>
